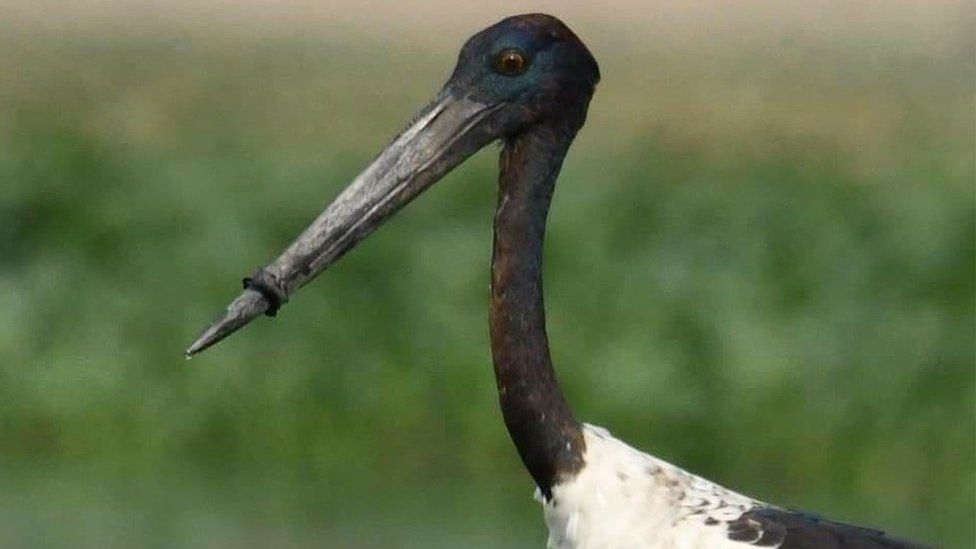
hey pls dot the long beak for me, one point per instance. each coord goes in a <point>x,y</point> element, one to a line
<point>444,134</point>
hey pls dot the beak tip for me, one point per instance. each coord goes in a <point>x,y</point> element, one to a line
<point>198,345</point>
<point>248,306</point>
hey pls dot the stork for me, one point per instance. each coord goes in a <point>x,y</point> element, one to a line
<point>527,81</point>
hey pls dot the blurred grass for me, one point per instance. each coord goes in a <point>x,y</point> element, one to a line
<point>760,266</point>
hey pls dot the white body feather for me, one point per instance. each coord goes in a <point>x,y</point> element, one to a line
<point>623,498</point>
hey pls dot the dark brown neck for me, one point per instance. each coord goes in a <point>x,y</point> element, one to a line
<point>539,420</point>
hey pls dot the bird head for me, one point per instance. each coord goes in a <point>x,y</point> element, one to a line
<point>533,64</point>
<point>522,72</point>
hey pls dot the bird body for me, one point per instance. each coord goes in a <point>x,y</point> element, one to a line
<point>527,81</point>
<point>624,498</point>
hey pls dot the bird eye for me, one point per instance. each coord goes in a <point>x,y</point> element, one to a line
<point>511,62</point>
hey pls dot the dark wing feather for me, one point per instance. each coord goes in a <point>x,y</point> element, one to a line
<point>770,527</point>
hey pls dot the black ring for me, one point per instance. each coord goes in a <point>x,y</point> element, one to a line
<point>264,283</point>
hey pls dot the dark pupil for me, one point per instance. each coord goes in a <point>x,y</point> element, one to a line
<point>511,62</point>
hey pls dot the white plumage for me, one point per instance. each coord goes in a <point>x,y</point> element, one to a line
<point>624,498</point>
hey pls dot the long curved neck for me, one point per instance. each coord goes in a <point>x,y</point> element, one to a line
<point>540,422</point>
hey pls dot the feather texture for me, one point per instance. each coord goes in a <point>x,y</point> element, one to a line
<point>625,499</point>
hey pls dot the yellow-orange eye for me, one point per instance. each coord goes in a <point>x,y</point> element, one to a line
<point>511,63</point>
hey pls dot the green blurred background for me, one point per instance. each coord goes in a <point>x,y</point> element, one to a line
<point>760,266</point>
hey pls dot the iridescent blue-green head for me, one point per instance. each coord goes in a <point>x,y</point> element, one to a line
<point>522,73</point>
<point>533,63</point>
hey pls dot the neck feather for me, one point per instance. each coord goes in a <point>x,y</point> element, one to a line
<point>538,418</point>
